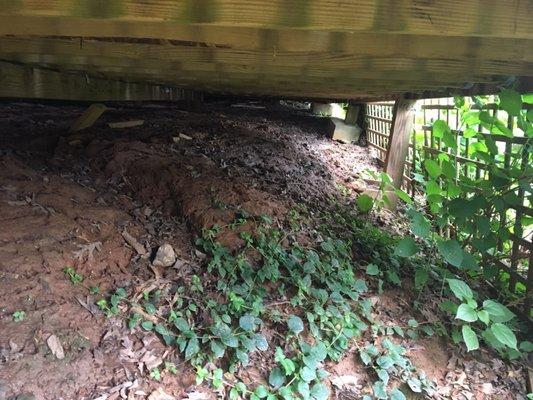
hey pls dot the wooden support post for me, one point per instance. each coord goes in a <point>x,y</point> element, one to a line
<point>402,126</point>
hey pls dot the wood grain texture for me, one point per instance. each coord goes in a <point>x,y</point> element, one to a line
<point>498,18</point>
<point>360,48</point>
<point>401,130</point>
<point>26,82</point>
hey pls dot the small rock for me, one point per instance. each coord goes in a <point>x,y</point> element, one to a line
<point>487,388</point>
<point>55,346</point>
<point>165,256</point>
<point>344,381</point>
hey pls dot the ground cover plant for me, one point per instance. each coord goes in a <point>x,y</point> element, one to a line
<point>270,318</point>
<point>297,307</point>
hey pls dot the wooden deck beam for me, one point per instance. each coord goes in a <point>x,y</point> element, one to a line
<point>26,82</point>
<point>400,66</point>
<point>479,18</point>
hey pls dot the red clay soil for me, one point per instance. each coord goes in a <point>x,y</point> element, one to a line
<point>66,199</point>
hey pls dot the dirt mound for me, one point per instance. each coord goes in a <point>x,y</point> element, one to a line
<point>194,188</point>
<point>50,223</point>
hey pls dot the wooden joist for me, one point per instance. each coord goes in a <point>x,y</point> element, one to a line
<point>27,82</point>
<point>402,65</point>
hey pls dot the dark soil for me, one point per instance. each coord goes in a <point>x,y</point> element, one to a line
<point>66,199</point>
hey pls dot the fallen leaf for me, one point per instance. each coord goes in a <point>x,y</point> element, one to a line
<point>196,396</point>
<point>160,394</point>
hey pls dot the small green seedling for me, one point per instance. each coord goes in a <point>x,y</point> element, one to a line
<point>171,367</point>
<point>19,316</point>
<point>155,374</point>
<point>74,277</point>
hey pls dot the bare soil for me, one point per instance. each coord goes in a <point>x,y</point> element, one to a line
<point>67,198</point>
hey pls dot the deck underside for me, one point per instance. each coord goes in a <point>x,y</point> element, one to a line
<point>285,48</point>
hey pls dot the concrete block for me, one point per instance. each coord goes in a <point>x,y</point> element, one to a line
<point>328,110</point>
<point>321,109</point>
<point>343,132</point>
<point>352,114</point>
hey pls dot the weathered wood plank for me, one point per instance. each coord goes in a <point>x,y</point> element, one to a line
<point>394,75</point>
<point>498,18</point>
<point>109,53</point>
<point>26,82</point>
<point>275,40</point>
<point>220,80</point>
<point>402,127</point>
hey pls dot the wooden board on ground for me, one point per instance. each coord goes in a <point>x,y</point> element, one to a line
<point>88,118</point>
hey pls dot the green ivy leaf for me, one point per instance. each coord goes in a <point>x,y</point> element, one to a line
<point>230,340</point>
<point>460,289</point>
<point>162,330</point>
<point>147,325</point>
<point>192,348</point>
<point>498,312</point>
<point>526,346</point>
<point>449,170</point>
<point>150,308</point>
<point>217,348</point>
<point>510,101</point>
<point>420,226</point>
<point>385,362</point>
<point>260,342</point>
<point>451,251</point>
<point>406,247</point>
<point>288,366</point>
<point>404,196</point>
<point>483,316</point>
<point>470,338</point>
<point>365,357</point>
<point>380,391</point>
<point>466,313</point>
<point>276,378</point>
<point>261,392</point>
<point>242,356</point>
<point>440,128</point>
<point>383,375</point>
<point>372,269</point>
<point>397,394</point>
<point>295,324</point>
<point>247,322</point>
<point>364,203</point>
<point>307,374</point>
<point>433,168</point>
<point>319,391</point>
<point>527,98</point>
<point>504,335</point>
